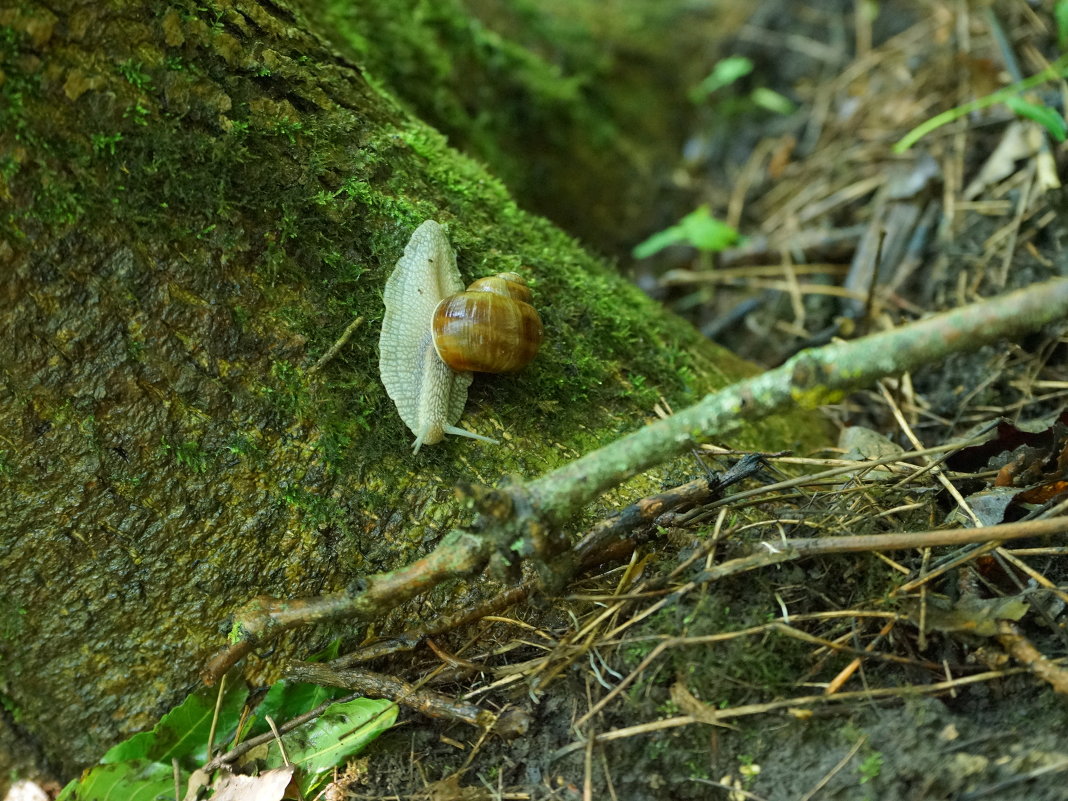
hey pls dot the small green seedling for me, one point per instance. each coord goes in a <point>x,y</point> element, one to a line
<point>698,229</point>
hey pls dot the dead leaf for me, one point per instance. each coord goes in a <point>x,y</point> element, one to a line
<point>1022,140</point>
<point>968,616</point>
<point>269,786</point>
<point>449,789</point>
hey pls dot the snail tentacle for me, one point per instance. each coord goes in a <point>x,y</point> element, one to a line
<point>463,432</point>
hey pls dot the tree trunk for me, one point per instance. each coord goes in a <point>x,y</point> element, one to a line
<point>198,201</point>
<point>589,98</point>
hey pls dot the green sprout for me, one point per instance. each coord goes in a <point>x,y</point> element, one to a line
<point>1010,95</point>
<point>871,767</point>
<point>131,71</point>
<point>698,229</point>
<point>732,69</point>
<point>1060,16</point>
<point>723,74</point>
<point>105,143</point>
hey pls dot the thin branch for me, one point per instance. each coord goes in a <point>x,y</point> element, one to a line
<point>379,685</point>
<point>899,541</point>
<point>627,528</point>
<point>337,346</point>
<point>1023,651</point>
<point>769,554</point>
<point>520,519</point>
<point>810,379</point>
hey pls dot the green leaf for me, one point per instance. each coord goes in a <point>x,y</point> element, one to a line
<point>723,74</point>
<point>182,733</point>
<point>705,232</point>
<point>138,780</point>
<point>287,700</point>
<point>658,241</point>
<point>138,767</point>
<point>770,100</point>
<point>340,732</point>
<point>1060,15</point>
<point>698,228</point>
<point>1048,118</point>
<point>137,747</point>
<point>332,649</point>
<point>1054,71</point>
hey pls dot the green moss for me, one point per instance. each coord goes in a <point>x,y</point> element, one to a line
<point>189,454</point>
<point>315,507</point>
<point>814,397</point>
<point>12,618</point>
<point>297,244</point>
<point>870,767</point>
<point>562,102</point>
<point>132,72</point>
<point>240,444</point>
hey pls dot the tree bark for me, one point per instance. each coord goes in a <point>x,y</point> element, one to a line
<point>198,201</point>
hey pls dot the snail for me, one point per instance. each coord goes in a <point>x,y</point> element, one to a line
<point>434,335</point>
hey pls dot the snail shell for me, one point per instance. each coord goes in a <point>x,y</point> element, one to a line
<point>430,394</point>
<point>490,328</point>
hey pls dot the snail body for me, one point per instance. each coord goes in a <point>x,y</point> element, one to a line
<point>434,335</point>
